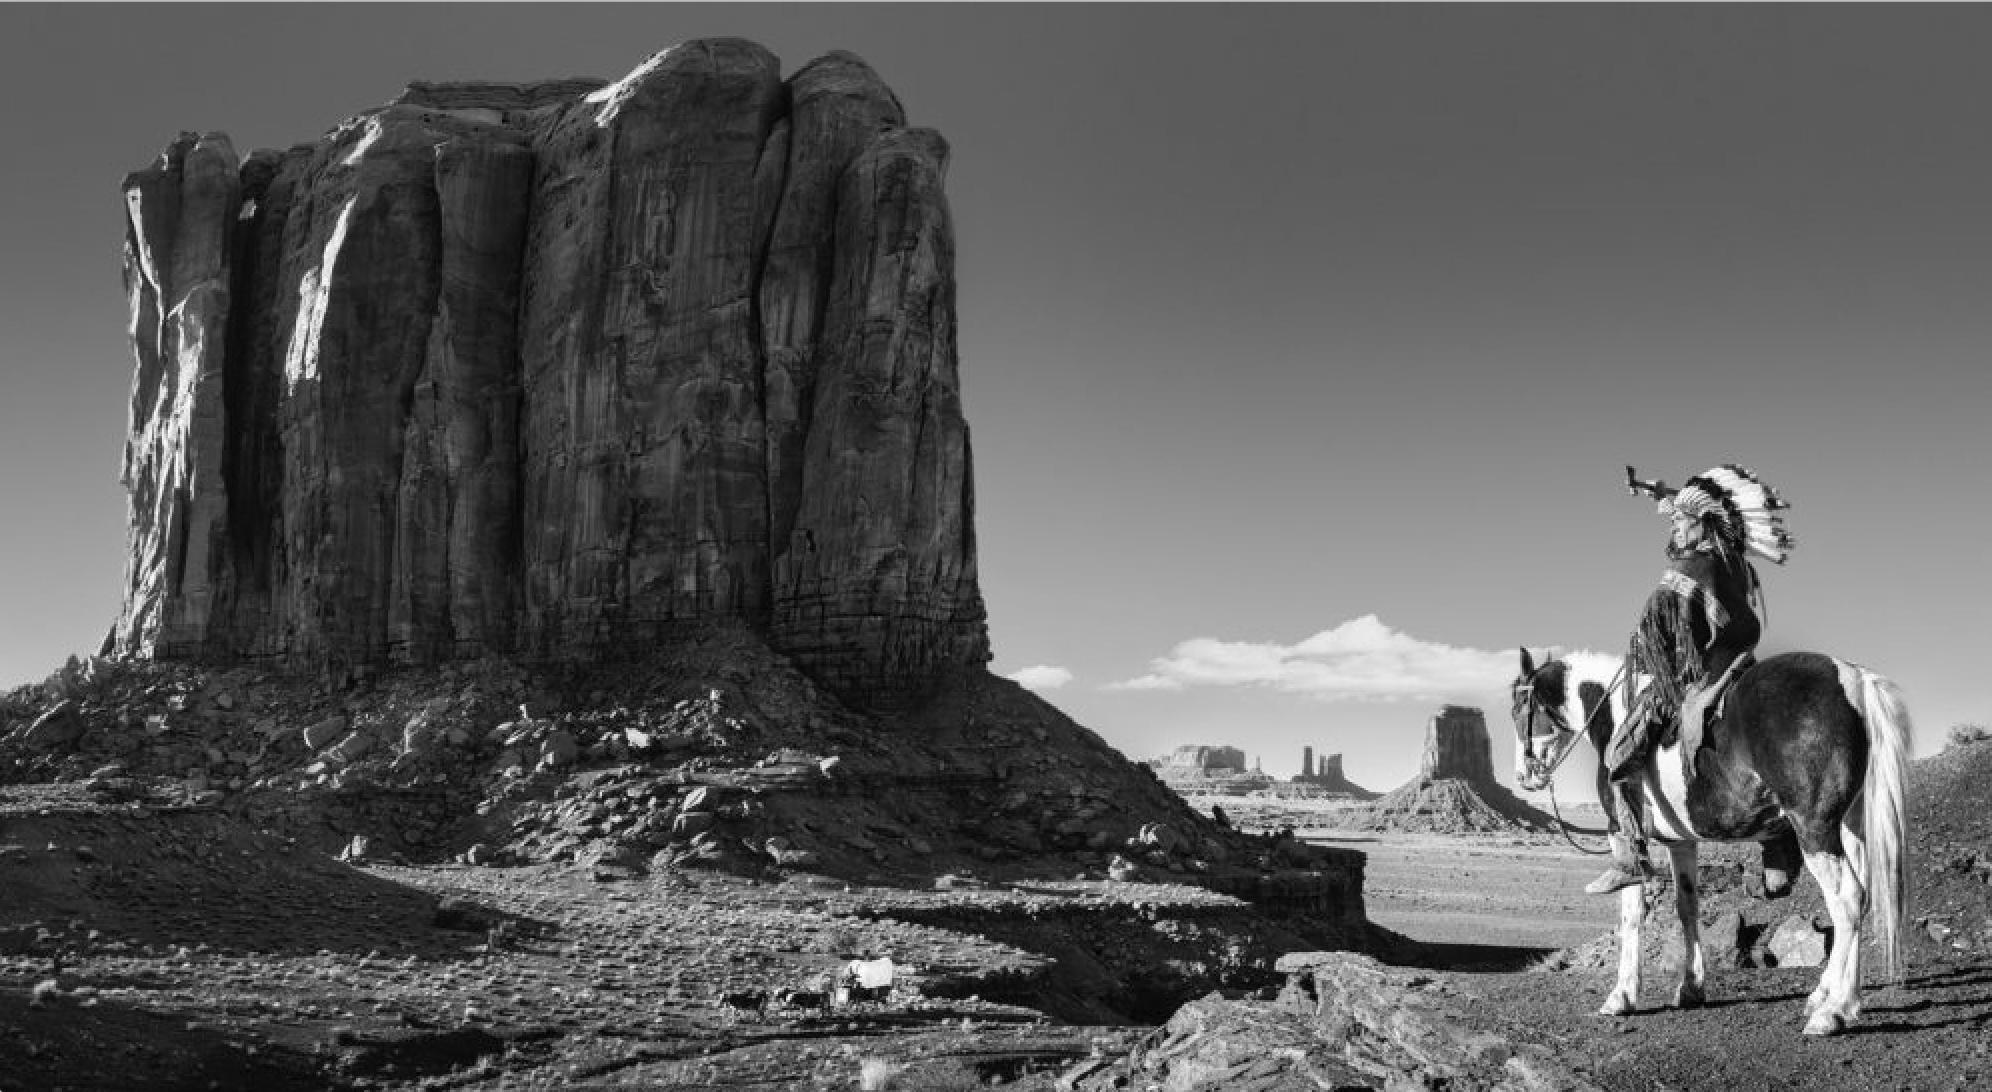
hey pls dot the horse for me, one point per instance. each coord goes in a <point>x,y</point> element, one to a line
<point>1802,744</point>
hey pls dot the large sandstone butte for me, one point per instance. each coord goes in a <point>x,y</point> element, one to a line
<point>549,369</point>
<point>1457,746</point>
<point>1455,791</point>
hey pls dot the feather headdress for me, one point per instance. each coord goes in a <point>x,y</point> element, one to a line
<point>1731,501</point>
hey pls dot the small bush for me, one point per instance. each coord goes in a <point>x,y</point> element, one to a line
<point>877,1073</point>
<point>1962,734</point>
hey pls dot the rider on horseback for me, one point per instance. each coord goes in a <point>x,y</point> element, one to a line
<point>1696,631</point>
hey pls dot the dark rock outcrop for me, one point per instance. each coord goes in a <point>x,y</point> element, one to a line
<point>550,369</point>
<point>1342,1021</point>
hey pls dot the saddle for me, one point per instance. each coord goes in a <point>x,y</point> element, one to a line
<point>1701,705</point>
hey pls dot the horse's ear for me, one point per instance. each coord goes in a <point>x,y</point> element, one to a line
<point>1528,662</point>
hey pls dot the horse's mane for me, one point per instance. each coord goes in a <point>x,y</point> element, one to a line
<point>1586,666</point>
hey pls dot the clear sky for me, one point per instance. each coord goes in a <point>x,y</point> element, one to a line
<point>1303,345</point>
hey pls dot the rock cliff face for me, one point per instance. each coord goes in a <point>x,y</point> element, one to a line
<point>548,369</point>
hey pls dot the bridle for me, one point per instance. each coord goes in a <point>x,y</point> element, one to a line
<point>1557,744</point>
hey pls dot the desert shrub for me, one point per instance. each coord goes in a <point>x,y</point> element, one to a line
<point>877,1073</point>
<point>841,940</point>
<point>1961,734</point>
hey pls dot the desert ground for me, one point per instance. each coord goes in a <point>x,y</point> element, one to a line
<point>157,937</point>
<point>1512,948</point>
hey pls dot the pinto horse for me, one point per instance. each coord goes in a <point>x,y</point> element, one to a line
<point>1801,744</point>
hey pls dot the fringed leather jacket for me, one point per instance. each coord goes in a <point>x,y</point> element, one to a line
<point>1695,624</point>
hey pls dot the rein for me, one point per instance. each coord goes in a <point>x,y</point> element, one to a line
<point>1564,828</point>
<point>1549,768</point>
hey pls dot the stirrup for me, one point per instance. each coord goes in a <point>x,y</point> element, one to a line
<point>1615,878</point>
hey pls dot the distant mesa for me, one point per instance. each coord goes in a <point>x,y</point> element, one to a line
<point>1455,791</point>
<point>1205,769</point>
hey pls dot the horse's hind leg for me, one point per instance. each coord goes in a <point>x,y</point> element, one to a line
<point>1632,912</point>
<point>1836,1003</point>
<point>1687,905</point>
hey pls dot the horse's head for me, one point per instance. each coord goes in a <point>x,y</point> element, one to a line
<point>1542,729</point>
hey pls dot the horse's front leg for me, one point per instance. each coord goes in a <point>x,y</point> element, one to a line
<point>1632,912</point>
<point>1687,904</point>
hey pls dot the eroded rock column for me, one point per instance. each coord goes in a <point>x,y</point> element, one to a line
<point>878,587</point>
<point>180,218</point>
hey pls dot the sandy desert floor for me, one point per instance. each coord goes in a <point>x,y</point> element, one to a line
<point>1486,890</point>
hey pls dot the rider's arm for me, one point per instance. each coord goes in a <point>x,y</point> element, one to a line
<point>1740,630</point>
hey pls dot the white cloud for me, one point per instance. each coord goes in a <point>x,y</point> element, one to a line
<point>1040,677</point>
<point>1360,660</point>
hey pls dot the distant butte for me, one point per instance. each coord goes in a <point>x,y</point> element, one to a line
<point>1455,791</point>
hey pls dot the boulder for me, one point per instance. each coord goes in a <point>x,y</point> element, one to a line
<point>350,749</point>
<point>691,824</point>
<point>559,749</point>
<point>321,735</point>
<point>1722,941</point>
<point>57,727</point>
<point>1157,838</point>
<point>1797,942</point>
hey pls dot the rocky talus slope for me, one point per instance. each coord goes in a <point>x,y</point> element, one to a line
<point>643,871</point>
<point>548,368</point>
<point>713,750</point>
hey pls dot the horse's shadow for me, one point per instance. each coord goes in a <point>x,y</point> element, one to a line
<point>1962,976</point>
<point>1983,1020</point>
<point>1731,1002</point>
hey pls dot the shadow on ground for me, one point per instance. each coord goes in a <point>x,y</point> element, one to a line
<point>194,878</point>
<point>67,1044</point>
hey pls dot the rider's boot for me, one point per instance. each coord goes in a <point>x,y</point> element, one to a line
<point>1630,865</point>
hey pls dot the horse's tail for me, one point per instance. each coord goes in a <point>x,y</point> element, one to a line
<point>1886,815</point>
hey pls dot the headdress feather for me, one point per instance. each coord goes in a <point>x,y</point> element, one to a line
<point>1741,508</point>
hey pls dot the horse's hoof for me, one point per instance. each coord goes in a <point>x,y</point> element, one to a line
<point>1825,1022</point>
<point>1688,997</point>
<point>1616,1006</point>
